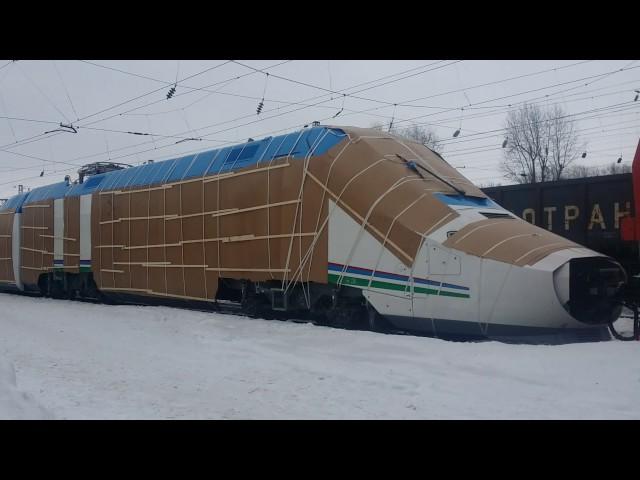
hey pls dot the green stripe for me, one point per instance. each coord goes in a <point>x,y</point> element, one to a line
<point>361,282</point>
<point>453,294</point>
<point>428,291</point>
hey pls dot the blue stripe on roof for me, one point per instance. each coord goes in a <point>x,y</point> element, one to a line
<point>49,192</point>
<point>296,145</point>
<point>466,201</point>
<point>314,141</point>
<point>335,267</point>
<point>15,202</point>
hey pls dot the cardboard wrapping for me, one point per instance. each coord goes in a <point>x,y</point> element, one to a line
<point>507,240</point>
<point>6,251</point>
<point>268,221</point>
<point>37,241</point>
<point>270,224</point>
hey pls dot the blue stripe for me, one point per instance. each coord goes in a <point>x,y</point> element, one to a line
<point>466,201</point>
<point>85,262</point>
<point>459,287</point>
<point>392,276</point>
<point>428,282</point>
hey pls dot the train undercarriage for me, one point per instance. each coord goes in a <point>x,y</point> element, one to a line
<point>326,305</point>
<point>321,304</point>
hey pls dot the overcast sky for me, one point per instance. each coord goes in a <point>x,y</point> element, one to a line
<point>216,101</point>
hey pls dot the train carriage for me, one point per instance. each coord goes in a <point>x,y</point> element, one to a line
<point>337,224</point>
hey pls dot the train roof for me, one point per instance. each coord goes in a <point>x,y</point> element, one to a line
<point>15,202</point>
<point>296,145</point>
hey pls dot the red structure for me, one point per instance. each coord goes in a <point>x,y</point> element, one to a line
<point>630,227</point>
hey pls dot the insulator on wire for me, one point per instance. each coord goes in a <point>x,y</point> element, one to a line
<point>171,91</point>
<point>42,173</point>
<point>584,154</point>
<point>456,133</point>
<point>260,105</point>
<point>619,160</point>
<point>636,99</point>
<point>504,144</point>
<point>344,95</point>
<point>393,117</point>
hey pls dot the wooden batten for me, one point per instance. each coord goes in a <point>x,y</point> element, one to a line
<point>58,238</point>
<point>36,250</point>
<point>263,270</point>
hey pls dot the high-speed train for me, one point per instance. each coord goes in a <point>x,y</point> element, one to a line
<point>340,225</point>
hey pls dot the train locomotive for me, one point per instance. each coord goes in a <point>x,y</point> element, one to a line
<point>339,225</point>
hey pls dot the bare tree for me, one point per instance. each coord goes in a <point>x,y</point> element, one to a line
<point>541,144</point>
<point>489,184</point>
<point>581,171</point>
<point>422,135</point>
<point>563,142</point>
<point>614,168</point>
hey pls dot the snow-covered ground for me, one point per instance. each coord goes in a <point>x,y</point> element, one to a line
<point>80,360</point>
<point>14,404</point>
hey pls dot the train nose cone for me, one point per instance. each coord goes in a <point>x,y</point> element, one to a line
<point>589,289</point>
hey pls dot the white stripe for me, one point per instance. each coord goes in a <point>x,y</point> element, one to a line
<point>15,249</point>
<point>85,227</point>
<point>58,230</point>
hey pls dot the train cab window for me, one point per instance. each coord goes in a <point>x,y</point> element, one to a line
<point>496,215</point>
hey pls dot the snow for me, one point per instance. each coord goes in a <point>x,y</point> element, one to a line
<point>14,404</point>
<point>86,361</point>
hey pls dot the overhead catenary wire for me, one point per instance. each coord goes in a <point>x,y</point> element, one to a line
<point>234,141</point>
<point>4,110</point>
<point>525,92</point>
<point>44,95</point>
<point>236,126</point>
<point>352,95</point>
<point>65,89</point>
<point>246,116</point>
<point>115,158</point>
<point>40,136</point>
<point>351,87</point>
<point>191,89</point>
<point>288,128</point>
<point>389,76</point>
<point>382,116</point>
